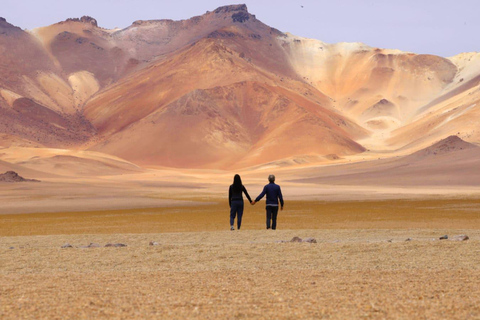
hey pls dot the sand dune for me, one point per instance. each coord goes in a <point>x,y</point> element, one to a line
<point>71,163</point>
<point>451,161</point>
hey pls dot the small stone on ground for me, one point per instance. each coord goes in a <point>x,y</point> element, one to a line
<point>462,237</point>
<point>116,245</point>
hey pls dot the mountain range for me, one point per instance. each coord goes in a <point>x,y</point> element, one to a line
<point>224,91</point>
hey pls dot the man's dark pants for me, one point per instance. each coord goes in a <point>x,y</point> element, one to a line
<point>272,212</point>
<point>236,209</point>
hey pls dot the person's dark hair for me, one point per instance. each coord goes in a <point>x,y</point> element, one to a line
<point>271,178</point>
<point>237,183</point>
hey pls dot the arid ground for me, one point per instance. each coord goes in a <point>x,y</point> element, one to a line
<point>361,266</point>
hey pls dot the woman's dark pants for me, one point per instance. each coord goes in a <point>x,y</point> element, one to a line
<point>272,212</point>
<point>236,209</point>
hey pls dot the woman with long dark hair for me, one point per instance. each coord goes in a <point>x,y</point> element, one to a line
<point>235,200</point>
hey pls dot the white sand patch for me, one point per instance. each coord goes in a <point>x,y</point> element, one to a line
<point>9,96</point>
<point>57,89</point>
<point>84,85</point>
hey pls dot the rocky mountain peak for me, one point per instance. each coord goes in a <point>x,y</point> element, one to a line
<point>232,8</point>
<point>239,13</point>
<point>84,19</point>
<point>6,25</point>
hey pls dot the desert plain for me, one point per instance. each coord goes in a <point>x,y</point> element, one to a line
<point>377,253</point>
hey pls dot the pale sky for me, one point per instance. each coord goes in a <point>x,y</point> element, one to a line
<point>439,27</point>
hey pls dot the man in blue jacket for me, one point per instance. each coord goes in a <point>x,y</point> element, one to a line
<point>274,193</point>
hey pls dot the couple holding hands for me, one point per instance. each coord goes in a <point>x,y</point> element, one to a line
<point>235,200</point>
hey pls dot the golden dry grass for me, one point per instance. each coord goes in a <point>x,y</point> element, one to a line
<point>457,213</point>
<point>361,267</point>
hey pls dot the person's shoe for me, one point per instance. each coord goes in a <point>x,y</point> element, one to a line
<point>232,228</point>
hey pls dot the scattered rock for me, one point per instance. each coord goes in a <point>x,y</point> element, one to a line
<point>445,237</point>
<point>408,239</point>
<point>390,240</point>
<point>296,239</point>
<point>462,237</point>
<point>94,245</point>
<point>91,245</point>
<point>11,248</point>
<point>154,243</point>
<point>116,245</point>
<point>67,245</point>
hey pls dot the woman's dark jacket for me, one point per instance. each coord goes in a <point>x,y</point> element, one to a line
<point>236,195</point>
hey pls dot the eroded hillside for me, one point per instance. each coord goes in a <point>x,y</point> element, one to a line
<point>224,90</point>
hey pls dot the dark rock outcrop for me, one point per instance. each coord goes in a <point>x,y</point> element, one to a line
<point>217,34</point>
<point>12,176</point>
<point>240,17</point>
<point>232,8</point>
<point>7,28</point>
<point>84,19</point>
<point>240,12</point>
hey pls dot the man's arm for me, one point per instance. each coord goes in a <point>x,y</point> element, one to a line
<point>260,196</point>
<point>280,196</point>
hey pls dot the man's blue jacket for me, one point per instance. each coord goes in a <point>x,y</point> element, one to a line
<point>273,192</point>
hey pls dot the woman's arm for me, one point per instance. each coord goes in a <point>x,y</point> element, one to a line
<point>246,194</point>
<point>230,196</point>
